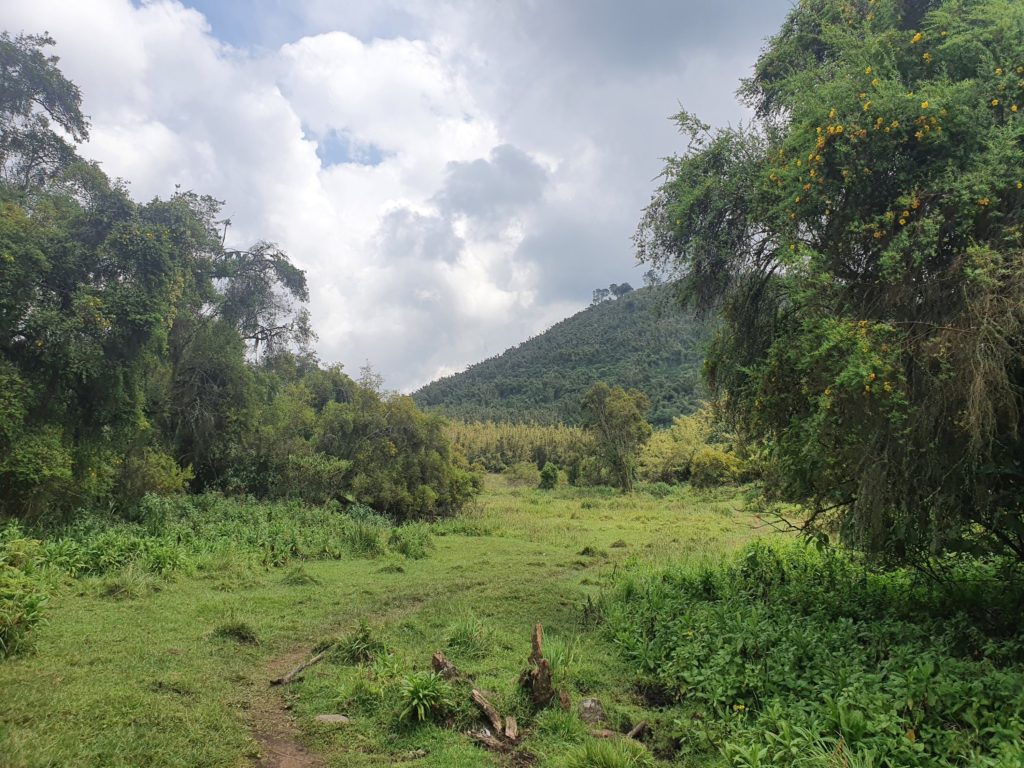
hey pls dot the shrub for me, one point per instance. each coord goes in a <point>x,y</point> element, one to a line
<point>150,472</point>
<point>22,599</point>
<point>523,473</point>
<point>424,696</point>
<point>413,540</point>
<point>548,477</point>
<point>711,466</point>
<point>359,646</point>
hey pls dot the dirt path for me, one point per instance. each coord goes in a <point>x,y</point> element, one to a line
<point>273,727</point>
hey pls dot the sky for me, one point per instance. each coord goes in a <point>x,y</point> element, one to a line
<point>455,176</point>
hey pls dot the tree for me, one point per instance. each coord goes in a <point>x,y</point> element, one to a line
<point>34,93</point>
<point>862,241</point>
<point>616,418</point>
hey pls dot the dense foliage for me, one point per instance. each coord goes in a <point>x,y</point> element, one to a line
<point>863,240</point>
<point>138,355</point>
<point>498,445</point>
<point>638,341</point>
<point>803,657</point>
<point>695,449</point>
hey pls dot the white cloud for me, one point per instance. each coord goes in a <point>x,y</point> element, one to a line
<point>481,166</point>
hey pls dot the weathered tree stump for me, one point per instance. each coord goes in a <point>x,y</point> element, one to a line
<point>537,677</point>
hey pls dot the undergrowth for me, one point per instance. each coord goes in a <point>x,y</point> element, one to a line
<point>209,534</point>
<point>795,656</point>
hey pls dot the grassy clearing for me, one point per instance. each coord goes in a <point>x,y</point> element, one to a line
<point>161,669</point>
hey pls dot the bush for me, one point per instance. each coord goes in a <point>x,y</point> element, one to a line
<point>413,540</point>
<point>711,466</point>
<point>150,472</point>
<point>360,646</point>
<point>424,696</point>
<point>523,473</point>
<point>548,477</point>
<point>795,651</point>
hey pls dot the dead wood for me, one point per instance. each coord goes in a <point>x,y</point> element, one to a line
<point>637,730</point>
<point>511,729</point>
<point>445,668</point>
<point>488,709</point>
<point>285,679</point>
<point>489,740</point>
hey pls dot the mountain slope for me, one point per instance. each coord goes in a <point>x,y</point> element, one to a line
<point>638,341</point>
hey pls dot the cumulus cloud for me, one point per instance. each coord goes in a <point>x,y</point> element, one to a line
<point>453,176</point>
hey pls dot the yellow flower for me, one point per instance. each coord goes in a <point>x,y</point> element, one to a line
<point>867,70</point>
<point>1013,108</point>
<point>995,102</point>
<point>906,213</point>
<point>903,222</point>
<point>999,71</point>
<point>1020,185</point>
<point>916,38</point>
<point>878,234</point>
<point>983,202</point>
<point>867,105</point>
<point>927,58</point>
<point>887,386</point>
<point>828,391</point>
<point>871,376</point>
<point>876,82</point>
<point>924,105</point>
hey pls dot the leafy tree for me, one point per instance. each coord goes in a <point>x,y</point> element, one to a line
<point>548,477</point>
<point>616,418</point>
<point>862,240</point>
<point>34,93</point>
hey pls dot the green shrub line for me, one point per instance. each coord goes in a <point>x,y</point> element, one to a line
<point>800,656</point>
<point>168,534</point>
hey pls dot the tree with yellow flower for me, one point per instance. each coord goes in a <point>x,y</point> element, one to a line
<point>894,282</point>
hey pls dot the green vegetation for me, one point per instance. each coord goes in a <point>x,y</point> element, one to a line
<point>616,419</point>
<point>190,659</point>
<point>798,656</point>
<point>861,240</point>
<point>193,505</point>
<point>138,355</point>
<point>639,341</point>
<point>496,446</point>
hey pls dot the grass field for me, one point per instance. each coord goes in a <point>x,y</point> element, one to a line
<point>137,670</point>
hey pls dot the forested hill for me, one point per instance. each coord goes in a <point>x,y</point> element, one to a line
<point>639,341</point>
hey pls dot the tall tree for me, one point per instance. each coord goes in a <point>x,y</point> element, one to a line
<point>862,239</point>
<point>34,95</point>
<point>616,418</point>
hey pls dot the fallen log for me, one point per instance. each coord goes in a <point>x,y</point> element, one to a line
<point>488,709</point>
<point>285,679</point>
<point>637,730</point>
<point>489,740</point>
